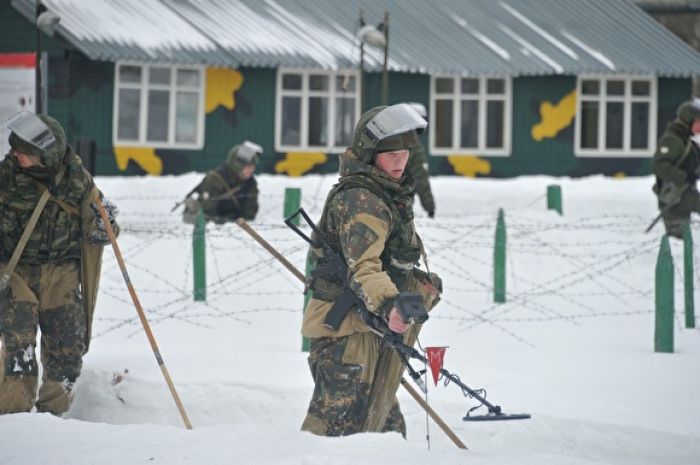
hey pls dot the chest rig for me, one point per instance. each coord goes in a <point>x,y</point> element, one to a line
<point>402,250</point>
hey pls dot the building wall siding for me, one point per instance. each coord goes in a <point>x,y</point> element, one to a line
<point>81,93</point>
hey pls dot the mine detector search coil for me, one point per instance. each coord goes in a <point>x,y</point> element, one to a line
<point>413,311</point>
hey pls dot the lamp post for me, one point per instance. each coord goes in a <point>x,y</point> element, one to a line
<point>375,36</point>
<point>46,22</point>
<point>385,70</point>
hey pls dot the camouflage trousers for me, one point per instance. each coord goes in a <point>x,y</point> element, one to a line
<point>47,297</point>
<point>343,370</point>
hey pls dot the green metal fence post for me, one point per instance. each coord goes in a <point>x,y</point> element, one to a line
<point>663,330</point>
<point>199,258</point>
<point>688,277</point>
<point>292,202</point>
<point>554,198</point>
<point>499,260</point>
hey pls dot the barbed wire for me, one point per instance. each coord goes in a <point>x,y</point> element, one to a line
<point>460,244</point>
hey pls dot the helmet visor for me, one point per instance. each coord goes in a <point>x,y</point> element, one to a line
<point>31,129</point>
<point>248,151</point>
<point>394,120</point>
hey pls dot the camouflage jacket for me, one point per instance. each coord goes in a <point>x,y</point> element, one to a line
<point>418,166</point>
<point>224,196</point>
<point>368,219</point>
<point>671,148</point>
<point>65,220</point>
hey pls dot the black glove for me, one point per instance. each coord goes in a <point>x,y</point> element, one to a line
<point>99,235</point>
<point>431,213</point>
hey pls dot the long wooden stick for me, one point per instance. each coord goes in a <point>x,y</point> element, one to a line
<point>142,315</point>
<point>436,418</point>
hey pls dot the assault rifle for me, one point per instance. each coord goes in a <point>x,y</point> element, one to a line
<point>189,194</point>
<point>410,307</point>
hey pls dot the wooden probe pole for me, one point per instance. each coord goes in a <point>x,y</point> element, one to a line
<point>142,315</point>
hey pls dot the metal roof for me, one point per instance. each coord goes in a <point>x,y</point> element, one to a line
<point>466,37</point>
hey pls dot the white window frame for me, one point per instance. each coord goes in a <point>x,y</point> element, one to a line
<point>144,87</point>
<point>305,95</point>
<point>456,96</point>
<point>602,98</point>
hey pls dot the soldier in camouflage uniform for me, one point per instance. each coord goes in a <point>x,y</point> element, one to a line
<point>368,220</point>
<point>230,191</point>
<point>54,283</point>
<point>676,165</point>
<point>418,167</point>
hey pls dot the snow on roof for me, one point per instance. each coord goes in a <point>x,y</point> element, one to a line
<point>467,37</point>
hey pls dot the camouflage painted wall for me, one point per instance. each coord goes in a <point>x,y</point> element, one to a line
<point>240,104</point>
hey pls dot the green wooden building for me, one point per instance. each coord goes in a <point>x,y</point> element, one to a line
<point>512,87</point>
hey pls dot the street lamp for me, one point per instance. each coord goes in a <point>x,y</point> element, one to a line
<point>375,36</point>
<point>46,22</point>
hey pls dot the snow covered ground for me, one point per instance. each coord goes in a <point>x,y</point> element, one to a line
<point>573,345</point>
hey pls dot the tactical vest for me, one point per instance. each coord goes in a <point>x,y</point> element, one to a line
<point>57,235</point>
<point>230,181</point>
<point>402,250</point>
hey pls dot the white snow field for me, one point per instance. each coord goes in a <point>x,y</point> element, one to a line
<point>573,345</point>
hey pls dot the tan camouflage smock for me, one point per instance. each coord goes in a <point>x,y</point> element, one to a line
<point>368,219</point>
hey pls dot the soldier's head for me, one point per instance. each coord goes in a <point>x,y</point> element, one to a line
<point>689,113</point>
<point>36,140</point>
<point>242,158</point>
<point>384,136</point>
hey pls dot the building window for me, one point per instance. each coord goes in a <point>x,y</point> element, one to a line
<point>159,106</point>
<point>316,110</point>
<point>616,116</point>
<point>470,115</point>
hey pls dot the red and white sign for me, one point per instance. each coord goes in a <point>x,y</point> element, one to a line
<point>17,88</point>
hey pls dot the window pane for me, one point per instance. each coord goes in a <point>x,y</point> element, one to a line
<point>443,123</point>
<point>291,81</point>
<point>615,113</point>
<point>640,125</point>
<point>188,77</point>
<point>589,125</point>
<point>615,87</point>
<point>495,86</point>
<point>345,83</point>
<point>318,82</point>
<point>318,121</point>
<point>469,129</point>
<point>590,87</point>
<point>641,88</point>
<point>159,76</point>
<point>157,128</point>
<point>344,121</point>
<point>291,121</point>
<point>470,86</point>
<point>128,109</point>
<point>495,124</point>
<point>130,74</point>
<point>186,117</point>
<point>444,85</point>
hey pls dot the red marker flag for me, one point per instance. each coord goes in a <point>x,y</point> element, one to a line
<point>435,357</point>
